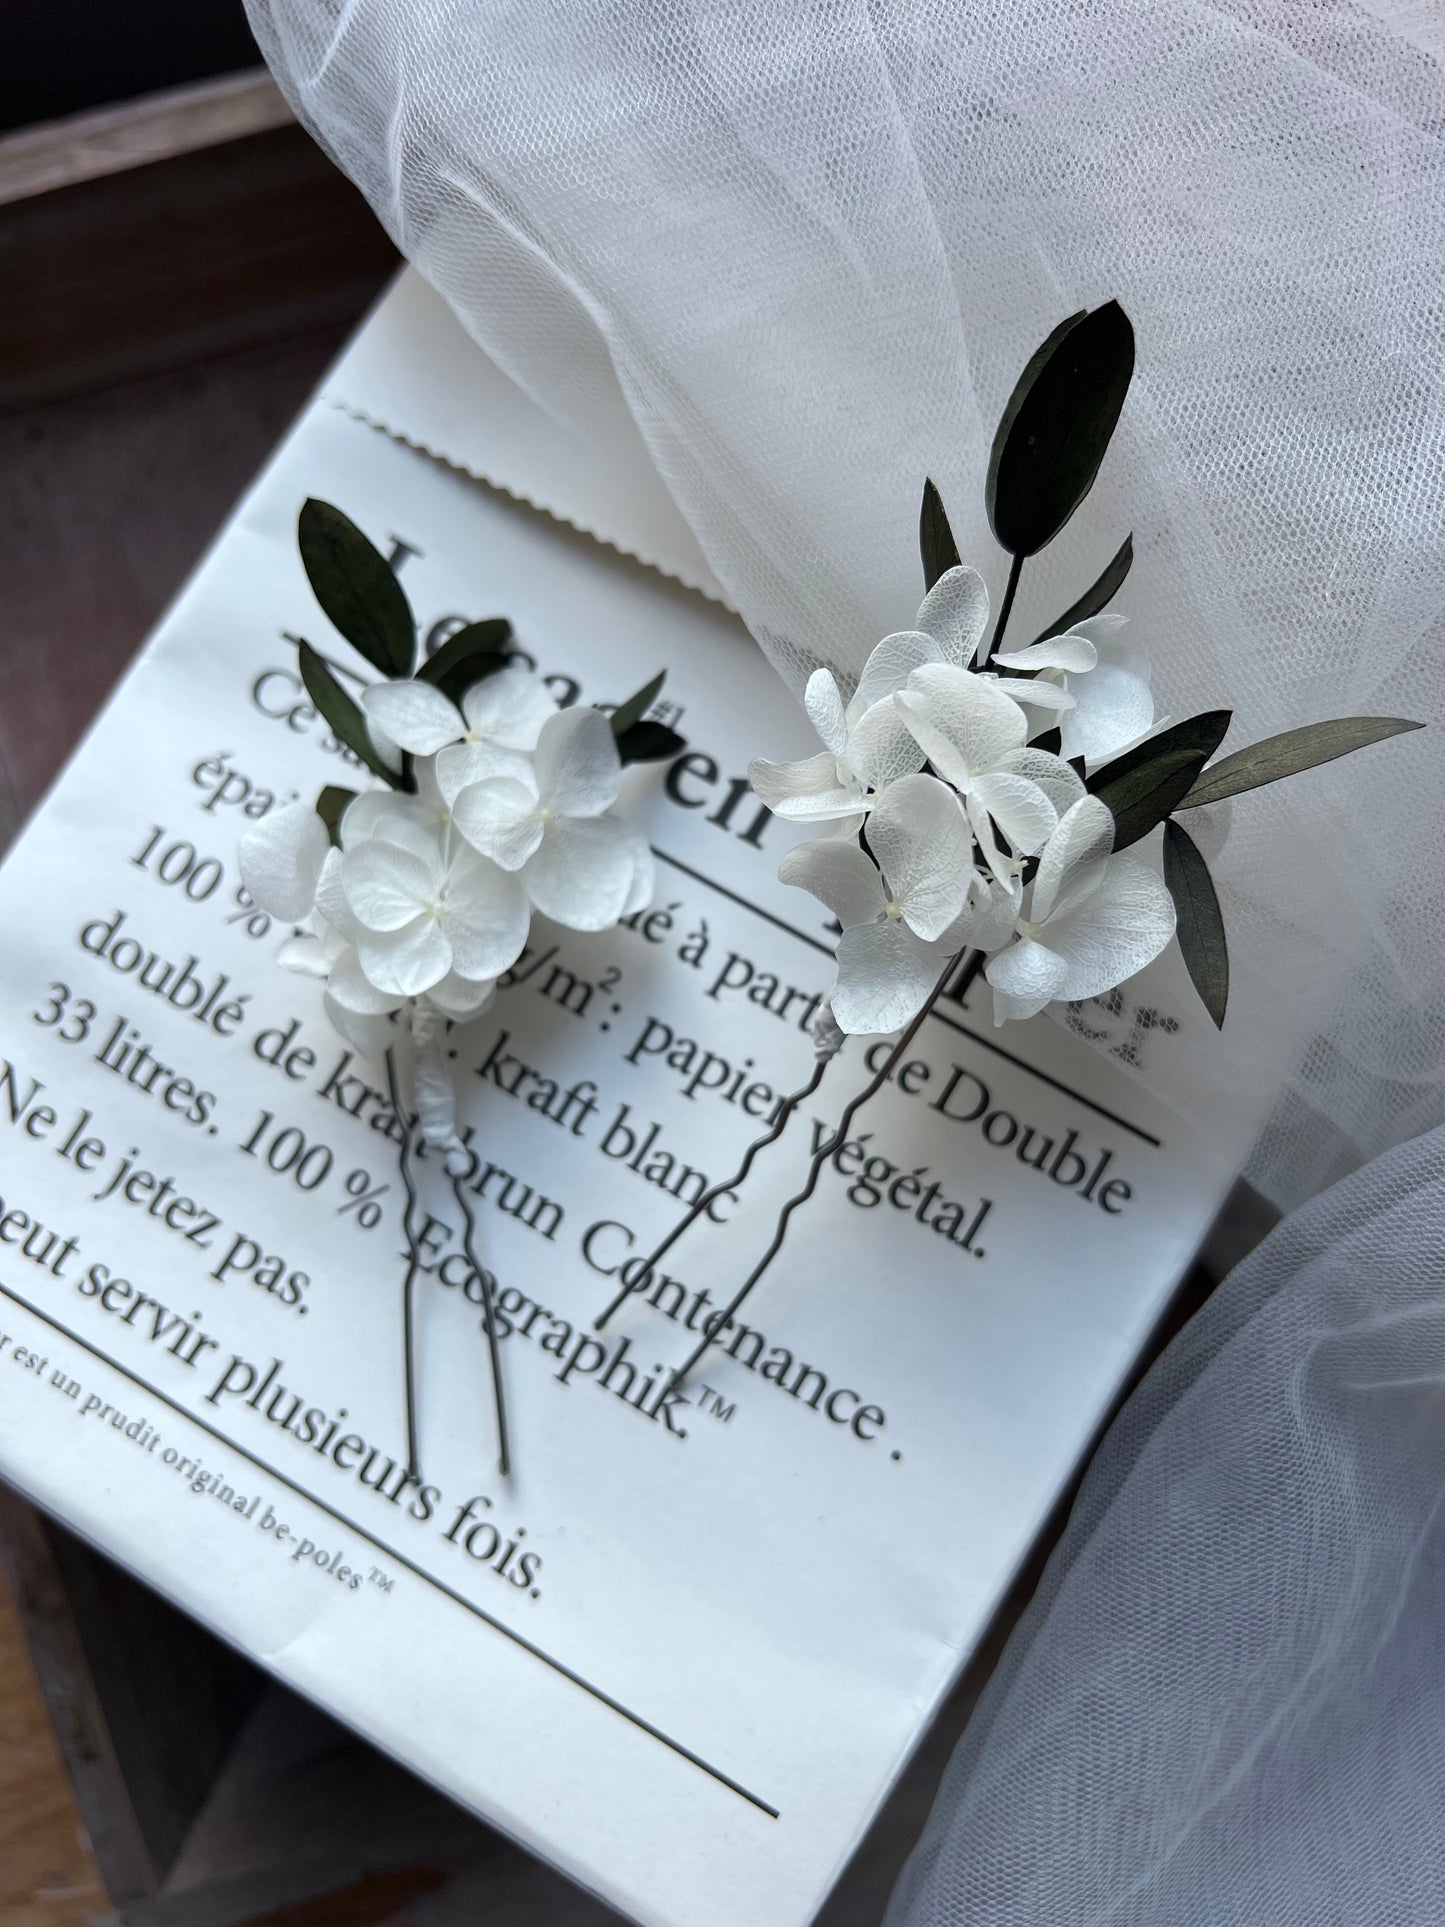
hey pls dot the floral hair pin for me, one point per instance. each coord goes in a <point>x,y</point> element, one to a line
<point>981,808</point>
<point>418,895</point>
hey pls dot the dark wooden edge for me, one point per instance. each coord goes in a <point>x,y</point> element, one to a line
<point>62,1668</point>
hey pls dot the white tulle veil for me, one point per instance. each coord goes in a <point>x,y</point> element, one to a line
<point>802,248</point>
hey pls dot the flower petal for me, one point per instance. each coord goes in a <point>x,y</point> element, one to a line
<point>368,1035</point>
<point>415,715</point>
<point>460,998</point>
<point>1062,785</point>
<point>582,872</point>
<point>842,877</point>
<point>363,818</point>
<point>1024,978</point>
<point>353,989</point>
<point>579,772</point>
<point>484,916</point>
<point>888,668</point>
<point>1037,692</point>
<point>306,955</point>
<point>389,753</point>
<point>955,614</point>
<point>1113,708</point>
<point>882,747</point>
<point>1004,869</point>
<point>643,887</point>
<point>1100,629</point>
<point>331,905</point>
<point>1069,651</point>
<point>963,722</point>
<point>280,860</point>
<point>987,919</point>
<point>510,707</point>
<point>1019,807</point>
<point>1114,931</point>
<point>500,818</point>
<point>824,705</point>
<point>386,887</point>
<point>407,961</point>
<point>884,974</point>
<point>923,846</point>
<point>463,763</point>
<point>1072,861</point>
<point>806,789</point>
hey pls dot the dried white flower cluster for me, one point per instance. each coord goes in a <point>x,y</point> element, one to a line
<point>972,836</point>
<point>428,897</point>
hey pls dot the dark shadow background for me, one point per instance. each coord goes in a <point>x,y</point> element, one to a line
<point>62,56</point>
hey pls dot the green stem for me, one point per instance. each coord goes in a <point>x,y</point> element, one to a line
<point>408,1290</point>
<point>801,1197</point>
<point>1016,569</point>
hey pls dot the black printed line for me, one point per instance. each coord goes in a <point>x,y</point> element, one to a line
<point>477,1612</point>
<point>998,1050</point>
<point>743,903</point>
<point>1044,1078</point>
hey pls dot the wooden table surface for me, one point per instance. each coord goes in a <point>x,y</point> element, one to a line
<point>160,327</point>
<point>47,1877</point>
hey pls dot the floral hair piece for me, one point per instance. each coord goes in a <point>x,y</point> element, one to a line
<point>975,804</point>
<point>417,896</point>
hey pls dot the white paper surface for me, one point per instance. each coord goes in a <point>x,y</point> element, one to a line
<point>701,1664</point>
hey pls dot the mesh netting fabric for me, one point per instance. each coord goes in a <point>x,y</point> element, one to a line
<point>1225,1706</point>
<point>803,250</point>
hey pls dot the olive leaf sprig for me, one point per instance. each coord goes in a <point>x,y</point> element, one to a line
<point>495,803</point>
<point>975,837</point>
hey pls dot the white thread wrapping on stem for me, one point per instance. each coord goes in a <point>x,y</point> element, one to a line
<point>434,1088</point>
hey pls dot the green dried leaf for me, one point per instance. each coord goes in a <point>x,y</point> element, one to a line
<point>1287,754</point>
<point>647,742</point>
<point>1096,598</point>
<point>636,707</point>
<point>330,805</point>
<point>1201,922</point>
<point>357,588</point>
<point>344,716</point>
<point>1146,783</point>
<point>478,647</point>
<point>1056,427</point>
<point>935,538</point>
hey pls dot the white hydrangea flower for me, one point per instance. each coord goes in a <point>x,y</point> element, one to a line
<point>895,904</point>
<point>1088,920</point>
<point>1112,704</point>
<point>867,743</point>
<point>280,859</point>
<point>492,733</point>
<point>425,906</point>
<point>354,1005</point>
<point>975,734</point>
<point>580,865</point>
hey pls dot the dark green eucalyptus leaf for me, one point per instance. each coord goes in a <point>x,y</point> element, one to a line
<point>637,706</point>
<point>935,538</point>
<point>467,648</point>
<point>1096,598</point>
<point>1056,427</point>
<point>357,587</point>
<point>1146,783</point>
<point>1287,754</point>
<point>1201,922</point>
<point>1052,740</point>
<point>336,707</point>
<point>329,807</point>
<point>647,742</point>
